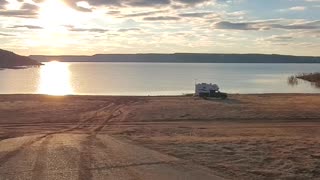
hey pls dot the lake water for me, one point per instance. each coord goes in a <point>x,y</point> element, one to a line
<point>58,78</point>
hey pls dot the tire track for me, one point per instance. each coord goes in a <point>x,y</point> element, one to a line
<point>86,159</point>
<point>21,148</point>
<point>91,142</point>
<point>25,145</point>
<point>114,114</point>
<point>40,164</point>
<point>108,113</point>
<point>86,166</point>
<point>131,173</point>
<point>84,124</point>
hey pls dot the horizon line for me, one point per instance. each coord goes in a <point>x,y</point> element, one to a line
<point>318,56</point>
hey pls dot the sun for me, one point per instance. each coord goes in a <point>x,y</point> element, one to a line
<point>55,13</point>
<point>54,17</point>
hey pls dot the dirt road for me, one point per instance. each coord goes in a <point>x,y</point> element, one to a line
<point>84,157</point>
<point>78,150</point>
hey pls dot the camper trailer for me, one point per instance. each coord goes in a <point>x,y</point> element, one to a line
<point>209,90</point>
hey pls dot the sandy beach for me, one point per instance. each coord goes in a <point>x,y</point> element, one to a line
<point>266,136</point>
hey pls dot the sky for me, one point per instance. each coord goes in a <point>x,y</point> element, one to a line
<point>73,27</point>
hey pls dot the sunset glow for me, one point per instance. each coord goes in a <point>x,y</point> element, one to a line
<point>78,27</point>
<point>55,13</point>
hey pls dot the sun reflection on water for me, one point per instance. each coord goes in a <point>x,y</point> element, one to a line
<point>55,79</point>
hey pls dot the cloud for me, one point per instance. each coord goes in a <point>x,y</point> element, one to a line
<point>279,38</point>
<point>114,12</point>
<point>299,26</point>
<point>83,9</point>
<point>143,13</point>
<point>120,3</point>
<point>314,34</point>
<point>2,3</point>
<point>191,2</point>
<point>30,7</point>
<point>236,14</point>
<point>26,11</point>
<point>197,14</point>
<point>97,30</point>
<point>266,25</point>
<point>292,39</point>
<point>153,25</point>
<point>295,8</point>
<point>149,3</point>
<point>236,26</point>
<point>75,5</point>
<point>26,26</point>
<point>162,18</point>
<point>136,3</point>
<point>18,13</point>
<point>129,29</point>
<point>5,34</point>
<point>302,35</point>
<point>298,8</point>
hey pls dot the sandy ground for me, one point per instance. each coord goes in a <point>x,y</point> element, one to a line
<point>271,136</point>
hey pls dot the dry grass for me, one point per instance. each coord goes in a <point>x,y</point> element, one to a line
<point>239,150</point>
<point>245,137</point>
<point>270,136</point>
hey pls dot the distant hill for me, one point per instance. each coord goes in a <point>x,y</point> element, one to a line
<point>11,60</point>
<point>183,58</point>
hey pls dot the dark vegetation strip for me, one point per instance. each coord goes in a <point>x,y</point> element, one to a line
<point>312,77</point>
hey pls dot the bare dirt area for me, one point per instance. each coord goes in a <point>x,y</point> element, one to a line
<point>269,136</point>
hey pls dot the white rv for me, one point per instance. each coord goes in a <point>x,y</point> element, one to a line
<point>204,88</point>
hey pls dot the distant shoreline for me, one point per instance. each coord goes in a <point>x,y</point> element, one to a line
<point>185,62</point>
<point>19,67</point>
<point>181,58</point>
<point>157,96</point>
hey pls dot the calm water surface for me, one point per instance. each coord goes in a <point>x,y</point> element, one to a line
<point>58,78</point>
